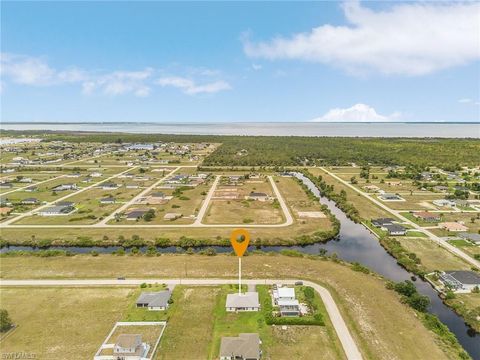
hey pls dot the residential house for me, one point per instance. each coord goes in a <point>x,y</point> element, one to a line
<point>95,174</point>
<point>244,347</point>
<point>130,347</point>
<point>453,226</point>
<point>154,301</point>
<point>5,210</point>
<point>29,201</point>
<point>25,180</point>
<point>394,229</point>
<point>31,189</point>
<point>475,238</point>
<point>373,188</point>
<point>135,214</point>
<point>108,200</point>
<point>441,188</point>
<point>148,147</point>
<point>381,222</point>
<point>56,210</point>
<point>391,197</point>
<point>132,186</point>
<point>444,203</point>
<point>461,203</point>
<point>284,298</point>
<point>65,187</point>
<point>108,186</point>
<point>461,280</point>
<point>426,216</point>
<point>243,302</point>
<point>172,216</point>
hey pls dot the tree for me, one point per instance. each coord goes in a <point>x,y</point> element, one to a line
<point>5,321</point>
<point>353,180</point>
<point>406,288</point>
<point>418,302</point>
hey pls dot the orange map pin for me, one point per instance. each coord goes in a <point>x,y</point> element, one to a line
<point>240,246</point>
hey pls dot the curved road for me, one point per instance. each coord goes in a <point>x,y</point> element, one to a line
<point>349,346</point>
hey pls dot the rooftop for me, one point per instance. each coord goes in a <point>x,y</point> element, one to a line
<point>244,300</point>
<point>245,346</point>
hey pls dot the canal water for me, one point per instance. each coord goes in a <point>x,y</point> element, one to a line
<point>354,244</point>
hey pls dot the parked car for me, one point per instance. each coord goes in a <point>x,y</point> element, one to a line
<point>298,283</point>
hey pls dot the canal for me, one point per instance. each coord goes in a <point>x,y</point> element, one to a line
<point>354,244</point>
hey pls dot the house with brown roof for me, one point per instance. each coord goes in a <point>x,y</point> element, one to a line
<point>426,216</point>
<point>453,226</point>
<point>245,346</point>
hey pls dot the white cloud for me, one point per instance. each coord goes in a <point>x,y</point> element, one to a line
<point>32,71</point>
<point>356,113</point>
<point>256,67</point>
<point>121,82</point>
<point>411,39</point>
<point>26,70</point>
<point>190,87</point>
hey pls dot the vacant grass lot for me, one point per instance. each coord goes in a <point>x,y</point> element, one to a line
<point>432,256</point>
<point>414,202</point>
<point>189,331</point>
<point>374,320</point>
<point>366,208</point>
<point>245,211</point>
<point>51,321</point>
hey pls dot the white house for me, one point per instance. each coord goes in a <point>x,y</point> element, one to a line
<point>130,347</point>
<point>283,293</point>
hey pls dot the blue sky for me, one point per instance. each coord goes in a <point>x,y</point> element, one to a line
<point>240,61</point>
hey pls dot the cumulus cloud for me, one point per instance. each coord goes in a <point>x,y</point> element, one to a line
<point>190,87</point>
<point>407,39</point>
<point>33,71</point>
<point>120,82</point>
<point>26,70</point>
<point>356,113</point>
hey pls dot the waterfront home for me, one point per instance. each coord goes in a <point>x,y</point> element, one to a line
<point>460,281</point>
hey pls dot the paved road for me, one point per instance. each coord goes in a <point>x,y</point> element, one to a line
<point>31,212</point>
<point>203,209</point>
<point>133,200</point>
<point>281,201</point>
<point>454,250</point>
<point>349,346</point>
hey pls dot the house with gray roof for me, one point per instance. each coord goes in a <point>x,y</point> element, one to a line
<point>135,214</point>
<point>475,238</point>
<point>245,346</point>
<point>29,201</point>
<point>57,210</point>
<point>462,281</point>
<point>154,301</point>
<point>243,302</point>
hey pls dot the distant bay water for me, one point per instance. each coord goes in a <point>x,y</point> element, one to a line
<point>441,130</point>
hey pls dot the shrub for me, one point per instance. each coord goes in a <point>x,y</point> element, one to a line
<point>5,321</point>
